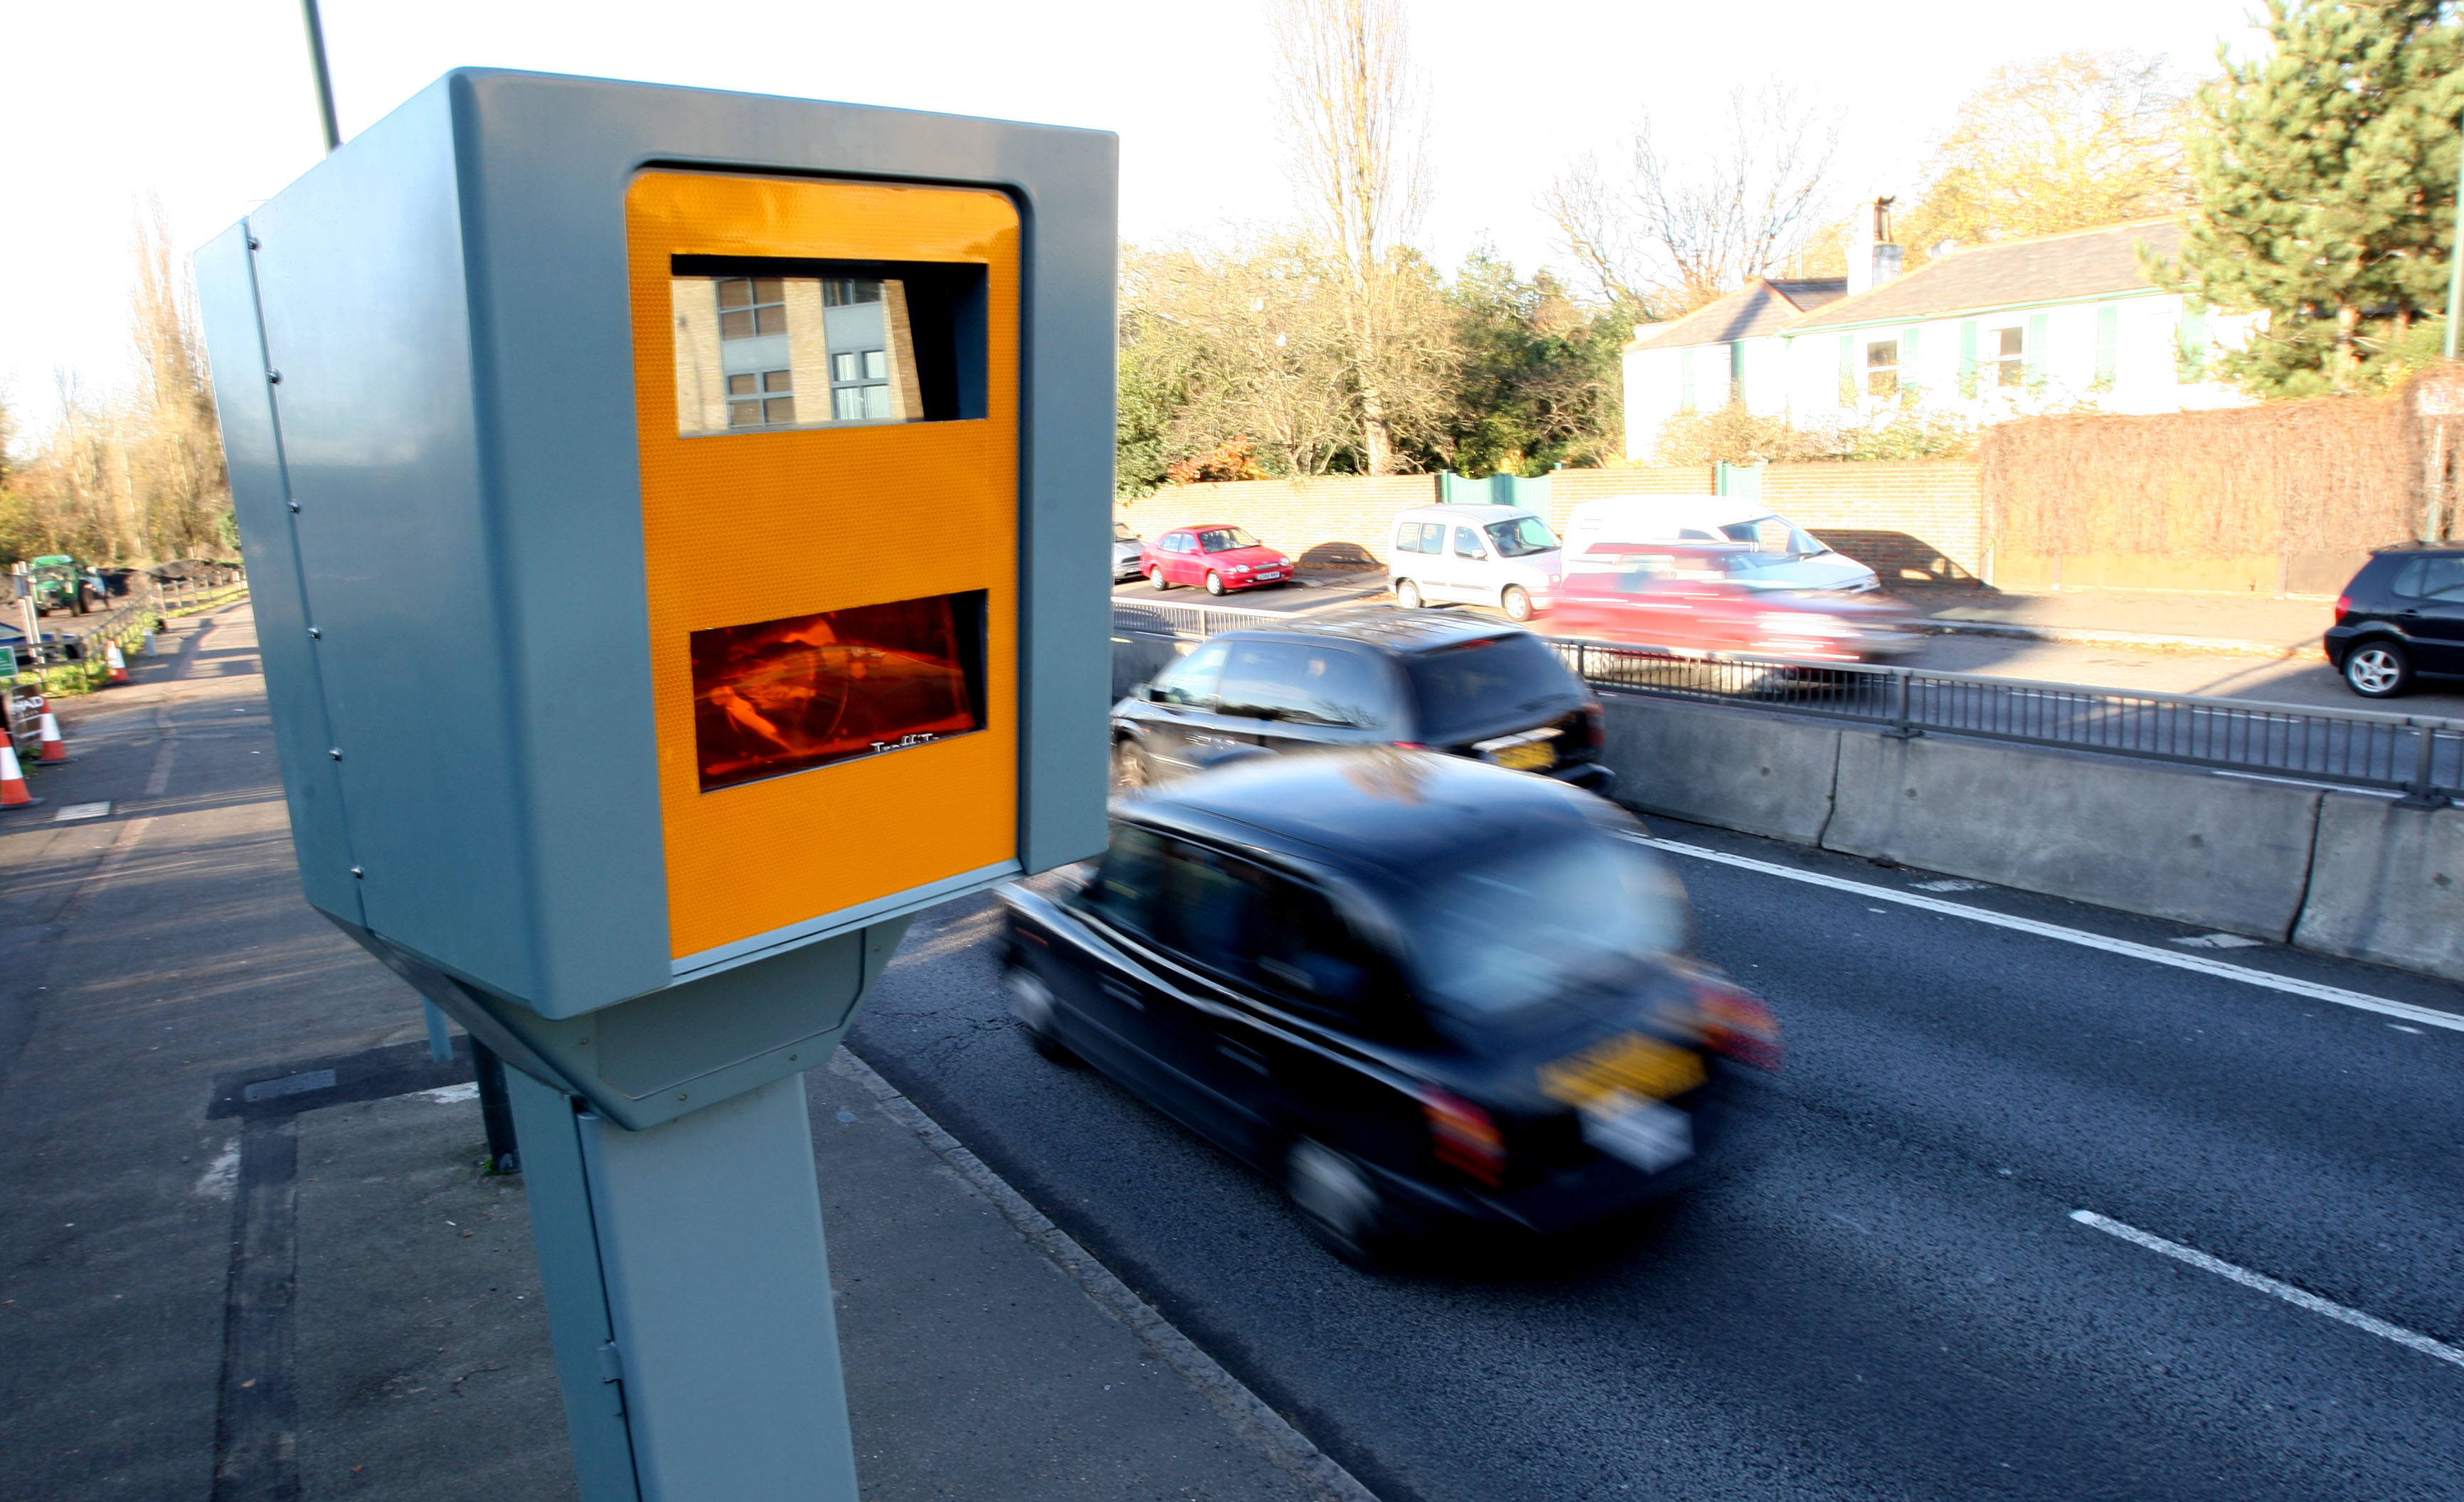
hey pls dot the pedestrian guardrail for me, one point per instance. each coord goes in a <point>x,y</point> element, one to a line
<point>65,659</point>
<point>2421,756</point>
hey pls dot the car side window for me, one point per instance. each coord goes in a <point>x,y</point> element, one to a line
<point>2442,579</point>
<point>1433,536</point>
<point>1259,678</point>
<point>1128,887</point>
<point>1467,543</point>
<point>2407,579</point>
<point>1191,681</point>
<point>1407,537</point>
<point>1311,958</point>
<point>1342,687</point>
<point>1694,535</point>
<point>1213,911</point>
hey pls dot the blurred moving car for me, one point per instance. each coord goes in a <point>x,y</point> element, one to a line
<point>1499,555</point>
<point>1457,683</point>
<point>1129,553</point>
<point>1690,598</point>
<point>1424,993</point>
<point>1222,557</point>
<point>2402,618</point>
<point>1787,556</point>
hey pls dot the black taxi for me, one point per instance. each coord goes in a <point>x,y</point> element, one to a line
<point>1422,992</point>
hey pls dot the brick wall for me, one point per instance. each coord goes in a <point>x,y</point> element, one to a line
<point>1908,522</point>
<point>1905,520</point>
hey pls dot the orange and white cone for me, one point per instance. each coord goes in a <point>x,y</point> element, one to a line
<point>117,664</point>
<point>13,780</point>
<point>56,750</point>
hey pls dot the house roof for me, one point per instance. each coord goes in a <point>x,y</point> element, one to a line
<point>2060,267</point>
<point>1762,306</point>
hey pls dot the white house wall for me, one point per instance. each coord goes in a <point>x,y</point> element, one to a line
<point>1798,375</point>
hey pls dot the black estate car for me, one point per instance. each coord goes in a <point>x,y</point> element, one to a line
<point>1424,992</point>
<point>1457,683</point>
<point>2401,618</point>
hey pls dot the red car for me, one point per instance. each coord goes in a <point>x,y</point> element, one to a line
<point>1685,600</point>
<point>1221,557</point>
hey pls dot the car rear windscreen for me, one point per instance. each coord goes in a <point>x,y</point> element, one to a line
<point>1489,686</point>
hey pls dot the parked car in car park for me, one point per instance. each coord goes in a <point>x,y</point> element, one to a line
<point>2401,619</point>
<point>1686,598</point>
<point>1784,554</point>
<point>1499,555</point>
<point>1425,994</point>
<point>1220,556</point>
<point>1129,553</point>
<point>1462,684</point>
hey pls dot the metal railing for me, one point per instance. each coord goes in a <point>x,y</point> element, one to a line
<point>2421,756</point>
<point>1193,621</point>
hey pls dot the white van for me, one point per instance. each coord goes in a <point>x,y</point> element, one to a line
<point>1785,556</point>
<point>1500,556</point>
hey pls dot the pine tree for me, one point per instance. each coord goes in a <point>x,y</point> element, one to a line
<point>2325,180</point>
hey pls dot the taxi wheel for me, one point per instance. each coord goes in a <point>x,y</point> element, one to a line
<point>1155,577</point>
<point>1338,1200</point>
<point>1516,602</point>
<point>1213,583</point>
<point>2378,670</point>
<point>1407,594</point>
<point>1030,1001</point>
<point>1131,771</point>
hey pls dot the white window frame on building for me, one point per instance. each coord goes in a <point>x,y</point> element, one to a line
<point>1882,367</point>
<point>859,376</point>
<point>2010,357</point>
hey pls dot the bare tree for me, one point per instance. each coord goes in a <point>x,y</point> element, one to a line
<point>1353,117</point>
<point>1676,231</point>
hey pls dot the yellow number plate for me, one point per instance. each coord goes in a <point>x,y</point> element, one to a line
<point>1528,756</point>
<point>1631,1063</point>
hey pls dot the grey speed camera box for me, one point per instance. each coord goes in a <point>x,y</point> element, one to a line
<point>677,524</point>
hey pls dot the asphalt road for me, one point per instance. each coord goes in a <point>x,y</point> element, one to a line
<point>1891,1300</point>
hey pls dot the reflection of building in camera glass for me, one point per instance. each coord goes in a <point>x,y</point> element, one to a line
<point>781,696</point>
<point>769,351</point>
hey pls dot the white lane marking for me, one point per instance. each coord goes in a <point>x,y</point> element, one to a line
<point>2289,984</point>
<point>78,811</point>
<point>2216,941</point>
<point>221,1177</point>
<point>452,1095</point>
<point>2411,1339</point>
<point>1951,885</point>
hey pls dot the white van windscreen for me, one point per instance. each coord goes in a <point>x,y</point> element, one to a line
<point>1773,535</point>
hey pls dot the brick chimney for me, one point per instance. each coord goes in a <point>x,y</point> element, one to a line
<point>1873,257</point>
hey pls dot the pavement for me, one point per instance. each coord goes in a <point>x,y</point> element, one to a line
<point>2181,619</point>
<point>377,1285</point>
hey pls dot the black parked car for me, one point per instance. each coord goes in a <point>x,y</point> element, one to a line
<point>2401,618</point>
<point>1457,683</point>
<point>1423,993</point>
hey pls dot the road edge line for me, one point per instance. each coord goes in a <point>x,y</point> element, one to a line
<point>2313,991</point>
<point>2300,1298</point>
<point>1226,1393</point>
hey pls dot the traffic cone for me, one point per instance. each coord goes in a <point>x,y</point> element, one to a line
<point>117,664</point>
<point>12,781</point>
<point>56,750</point>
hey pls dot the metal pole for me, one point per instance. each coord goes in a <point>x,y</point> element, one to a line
<point>325,80</point>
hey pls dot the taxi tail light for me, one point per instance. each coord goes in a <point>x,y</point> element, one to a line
<point>1736,1026</point>
<point>2344,607</point>
<point>1411,746</point>
<point>1462,1136</point>
<point>1590,732</point>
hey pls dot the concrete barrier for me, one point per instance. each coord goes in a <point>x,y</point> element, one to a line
<point>2228,853</point>
<point>1752,770</point>
<point>2387,884</point>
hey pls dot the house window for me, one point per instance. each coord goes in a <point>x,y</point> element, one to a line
<point>2010,357</point>
<point>1883,368</point>
<point>750,306</point>
<point>760,398</point>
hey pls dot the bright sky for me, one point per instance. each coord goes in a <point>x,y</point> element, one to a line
<point>211,107</point>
